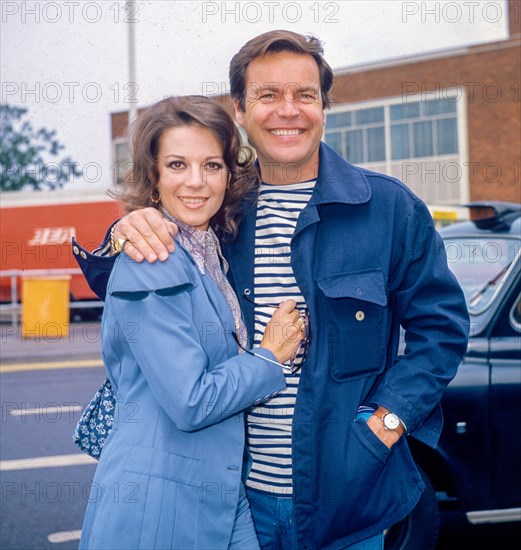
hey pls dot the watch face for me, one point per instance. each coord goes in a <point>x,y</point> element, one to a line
<point>391,421</point>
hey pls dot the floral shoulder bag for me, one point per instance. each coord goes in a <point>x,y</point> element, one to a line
<point>96,422</point>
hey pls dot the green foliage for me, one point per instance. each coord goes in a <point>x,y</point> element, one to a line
<point>26,155</point>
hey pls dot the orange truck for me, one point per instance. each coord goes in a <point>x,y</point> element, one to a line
<point>36,230</point>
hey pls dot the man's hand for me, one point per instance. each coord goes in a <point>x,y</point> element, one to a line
<point>149,236</point>
<point>387,437</point>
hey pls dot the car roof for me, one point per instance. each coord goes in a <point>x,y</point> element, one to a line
<point>506,221</point>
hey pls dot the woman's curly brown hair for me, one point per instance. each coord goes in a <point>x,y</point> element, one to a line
<point>193,110</point>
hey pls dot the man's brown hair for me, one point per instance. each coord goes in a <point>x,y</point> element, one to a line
<point>274,42</point>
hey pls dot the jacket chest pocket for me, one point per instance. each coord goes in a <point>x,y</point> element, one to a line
<point>355,311</point>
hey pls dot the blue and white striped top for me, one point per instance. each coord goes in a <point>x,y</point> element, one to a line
<point>269,425</point>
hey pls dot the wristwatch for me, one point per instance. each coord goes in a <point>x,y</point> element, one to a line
<point>390,420</point>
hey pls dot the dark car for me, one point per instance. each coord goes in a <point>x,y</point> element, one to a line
<point>476,466</point>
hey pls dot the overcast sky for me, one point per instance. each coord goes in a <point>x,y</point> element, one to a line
<point>66,61</point>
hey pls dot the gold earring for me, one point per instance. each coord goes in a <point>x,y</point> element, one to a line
<point>155,200</point>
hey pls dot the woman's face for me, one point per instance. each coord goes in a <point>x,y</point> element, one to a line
<point>192,174</point>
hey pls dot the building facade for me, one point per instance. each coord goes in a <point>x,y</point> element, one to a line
<point>448,124</point>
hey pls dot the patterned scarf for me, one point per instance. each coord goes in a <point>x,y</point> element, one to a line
<point>204,248</point>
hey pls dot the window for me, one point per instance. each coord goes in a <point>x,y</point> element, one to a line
<point>447,136</point>
<point>430,127</point>
<point>515,314</point>
<point>481,265</point>
<point>358,136</point>
<point>121,160</point>
<point>415,140</point>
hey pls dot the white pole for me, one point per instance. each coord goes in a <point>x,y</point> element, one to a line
<point>132,111</point>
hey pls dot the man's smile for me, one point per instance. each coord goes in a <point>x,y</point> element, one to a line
<point>287,132</point>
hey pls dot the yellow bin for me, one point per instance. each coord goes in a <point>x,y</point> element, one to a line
<point>45,307</point>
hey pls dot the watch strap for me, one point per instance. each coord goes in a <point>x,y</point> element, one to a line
<point>382,412</point>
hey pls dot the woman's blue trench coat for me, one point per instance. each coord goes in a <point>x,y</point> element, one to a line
<point>170,471</point>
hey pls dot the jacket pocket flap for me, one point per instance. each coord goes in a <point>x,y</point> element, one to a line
<point>166,465</point>
<point>368,286</point>
<point>165,278</point>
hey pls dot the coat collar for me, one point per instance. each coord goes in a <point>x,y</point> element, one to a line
<point>339,181</point>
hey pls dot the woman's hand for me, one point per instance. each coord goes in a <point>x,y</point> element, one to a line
<point>148,235</point>
<point>284,332</point>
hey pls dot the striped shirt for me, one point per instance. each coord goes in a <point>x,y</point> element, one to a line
<point>269,425</point>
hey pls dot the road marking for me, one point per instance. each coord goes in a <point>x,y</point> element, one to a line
<point>46,410</point>
<point>51,365</point>
<point>56,461</point>
<point>64,536</point>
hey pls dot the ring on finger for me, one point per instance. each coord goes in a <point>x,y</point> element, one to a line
<point>119,244</point>
<point>301,323</point>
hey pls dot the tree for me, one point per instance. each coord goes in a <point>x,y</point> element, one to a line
<point>26,155</point>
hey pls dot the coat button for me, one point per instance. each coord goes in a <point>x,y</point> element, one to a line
<point>83,255</point>
<point>76,250</point>
<point>246,292</point>
<point>359,315</point>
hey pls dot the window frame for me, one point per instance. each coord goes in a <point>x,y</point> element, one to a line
<point>115,143</point>
<point>458,94</point>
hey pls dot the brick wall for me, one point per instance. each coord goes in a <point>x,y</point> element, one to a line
<point>514,18</point>
<point>490,74</point>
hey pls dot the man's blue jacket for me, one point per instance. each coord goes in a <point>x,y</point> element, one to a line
<point>368,261</point>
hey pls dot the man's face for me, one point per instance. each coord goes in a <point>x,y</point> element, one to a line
<point>283,115</point>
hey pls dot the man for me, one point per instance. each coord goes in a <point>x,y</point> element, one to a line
<point>330,466</point>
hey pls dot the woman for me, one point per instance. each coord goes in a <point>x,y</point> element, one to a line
<point>170,475</point>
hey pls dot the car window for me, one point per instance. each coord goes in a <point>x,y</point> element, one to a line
<point>481,265</point>
<point>515,315</point>
<point>508,321</point>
